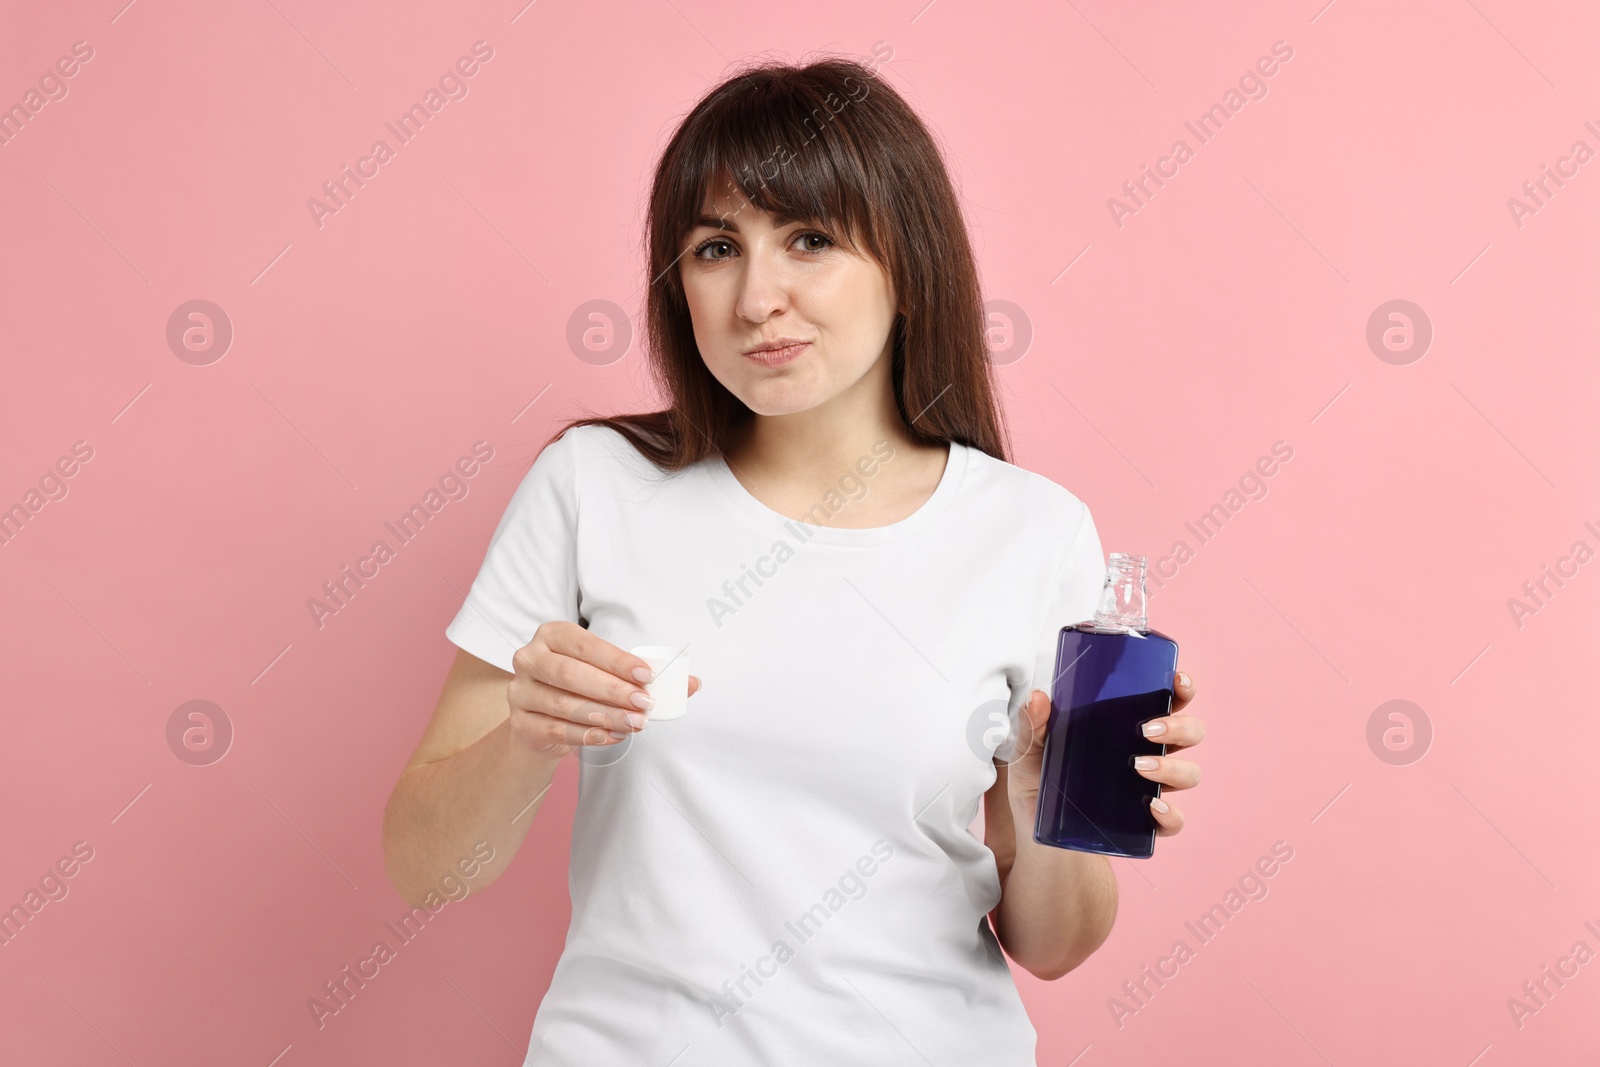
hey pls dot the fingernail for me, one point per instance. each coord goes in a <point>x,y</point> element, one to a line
<point>1159,804</point>
<point>1144,763</point>
<point>642,700</point>
<point>636,720</point>
<point>618,734</point>
<point>643,675</point>
<point>1183,679</point>
<point>1151,729</point>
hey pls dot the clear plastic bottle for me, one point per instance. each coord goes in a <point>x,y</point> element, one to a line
<point>1112,675</point>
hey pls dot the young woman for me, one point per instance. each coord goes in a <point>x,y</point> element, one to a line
<point>825,517</point>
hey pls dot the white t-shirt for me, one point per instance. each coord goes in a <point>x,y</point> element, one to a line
<point>786,875</point>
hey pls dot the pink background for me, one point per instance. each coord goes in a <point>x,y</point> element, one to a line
<point>1228,313</point>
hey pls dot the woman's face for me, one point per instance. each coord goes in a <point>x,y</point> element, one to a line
<point>752,279</point>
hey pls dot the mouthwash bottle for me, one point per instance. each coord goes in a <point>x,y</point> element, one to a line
<point>1112,675</point>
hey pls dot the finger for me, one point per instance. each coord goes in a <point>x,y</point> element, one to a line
<point>1038,711</point>
<point>1169,771</point>
<point>1174,731</point>
<point>540,698</point>
<point>1035,720</point>
<point>583,679</point>
<point>1182,690</point>
<point>553,731</point>
<point>1169,821</point>
<point>694,684</point>
<point>581,644</point>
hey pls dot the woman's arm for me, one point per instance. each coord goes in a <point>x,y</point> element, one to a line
<point>1056,905</point>
<point>483,766</point>
<point>466,783</point>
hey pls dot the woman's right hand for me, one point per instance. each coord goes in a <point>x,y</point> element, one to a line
<point>571,688</point>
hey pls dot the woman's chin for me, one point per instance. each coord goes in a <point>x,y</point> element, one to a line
<point>773,398</point>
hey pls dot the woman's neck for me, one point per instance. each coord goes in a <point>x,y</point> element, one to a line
<point>792,462</point>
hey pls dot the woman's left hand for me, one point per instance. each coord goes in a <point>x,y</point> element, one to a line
<point>1177,730</point>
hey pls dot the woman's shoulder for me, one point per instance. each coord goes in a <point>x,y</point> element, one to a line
<point>1021,488</point>
<point>591,445</point>
<point>598,453</point>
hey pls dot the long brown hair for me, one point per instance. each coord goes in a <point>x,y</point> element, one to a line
<point>828,142</point>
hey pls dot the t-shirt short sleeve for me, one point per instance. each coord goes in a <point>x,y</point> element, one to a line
<point>529,574</point>
<point>1074,596</point>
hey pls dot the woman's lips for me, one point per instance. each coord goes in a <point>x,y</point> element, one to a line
<point>777,357</point>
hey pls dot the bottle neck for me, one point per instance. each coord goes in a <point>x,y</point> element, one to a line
<point>1122,600</point>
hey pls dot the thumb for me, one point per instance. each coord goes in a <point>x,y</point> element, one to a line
<point>1036,712</point>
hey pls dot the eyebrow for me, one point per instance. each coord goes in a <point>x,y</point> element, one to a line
<point>713,222</point>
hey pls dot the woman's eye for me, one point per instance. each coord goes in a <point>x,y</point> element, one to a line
<point>810,235</point>
<point>707,244</point>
